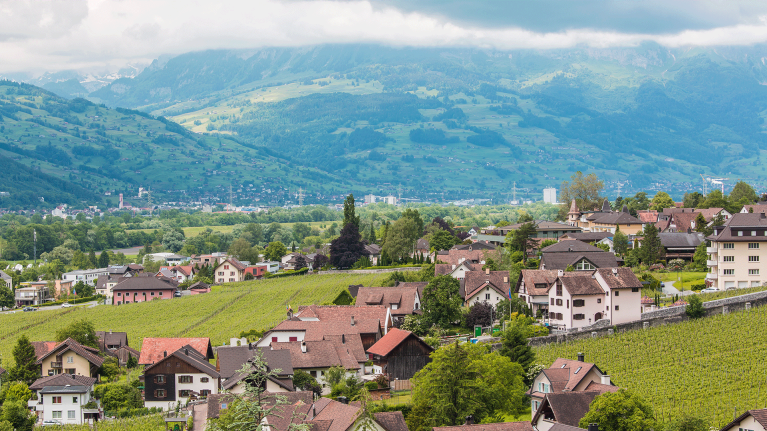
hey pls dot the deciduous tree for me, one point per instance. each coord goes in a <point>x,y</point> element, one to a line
<point>619,411</point>
<point>662,200</point>
<point>586,190</point>
<point>275,250</point>
<point>83,331</point>
<point>441,302</point>
<point>347,249</point>
<point>620,242</point>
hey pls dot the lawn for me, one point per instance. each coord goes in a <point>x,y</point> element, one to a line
<point>220,315</point>
<point>196,230</point>
<point>682,279</point>
<point>712,367</point>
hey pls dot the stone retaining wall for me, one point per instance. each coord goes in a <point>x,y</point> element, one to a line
<point>369,271</point>
<point>664,316</point>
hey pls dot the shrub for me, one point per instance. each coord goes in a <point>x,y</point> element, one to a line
<point>371,386</point>
<point>695,307</point>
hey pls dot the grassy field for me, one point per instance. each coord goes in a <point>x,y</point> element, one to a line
<point>684,279</point>
<point>712,367</point>
<point>220,315</point>
<point>196,230</point>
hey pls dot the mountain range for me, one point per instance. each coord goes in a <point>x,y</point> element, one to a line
<point>434,122</point>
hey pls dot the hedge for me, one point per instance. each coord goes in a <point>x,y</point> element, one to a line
<point>72,301</point>
<point>287,273</point>
<point>409,265</point>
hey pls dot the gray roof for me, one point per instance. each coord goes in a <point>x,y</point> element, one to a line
<point>5,276</point>
<point>602,259</point>
<point>62,380</point>
<point>232,358</point>
<point>588,236</point>
<point>745,222</point>
<point>143,283</point>
<point>680,239</point>
<point>571,246</point>
<point>617,218</point>
<point>64,390</point>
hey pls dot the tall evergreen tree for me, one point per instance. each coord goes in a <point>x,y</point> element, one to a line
<point>651,249</point>
<point>372,234</point>
<point>25,369</point>
<point>514,346</point>
<point>700,225</point>
<point>92,259</point>
<point>620,242</point>
<point>103,259</point>
<point>349,216</point>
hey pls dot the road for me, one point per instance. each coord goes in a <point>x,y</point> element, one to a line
<point>53,307</point>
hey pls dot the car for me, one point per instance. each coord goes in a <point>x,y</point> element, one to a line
<point>66,305</point>
<point>30,309</point>
<point>709,290</point>
<point>177,294</point>
<point>52,423</point>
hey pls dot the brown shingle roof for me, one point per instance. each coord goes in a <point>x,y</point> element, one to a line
<point>501,426</point>
<point>760,416</point>
<point>112,338</point>
<point>319,354</point>
<point>581,283</point>
<point>391,421</point>
<point>62,380</point>
<point>403,296</point>
<point>617,218</point>
<point>190,356</point>
<point>43,347</point>
<point>232,358</point>
<point>533,278</point>
<point>154,349</point>
<point>745,222</point>
<point>619,278</point>
<point>70,344</point>
<point>571,247</point>
<point>344,313</point>
<point>144,283</point>
<point>342,415</point>
<point>477,280</point>
<point>568,408</point>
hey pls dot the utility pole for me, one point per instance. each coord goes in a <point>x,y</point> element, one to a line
<point>230,196</point>
<point>300,197</point>
<point>34,233</point>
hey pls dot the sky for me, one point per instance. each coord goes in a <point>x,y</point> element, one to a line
<point>97,35</point>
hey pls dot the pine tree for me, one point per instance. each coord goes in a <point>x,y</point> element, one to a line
<point>103,259</point>
<point>620,242</point>
<point>92,259</point>
<point>515,347</point>
<point>25,369</point>
<point>651,249</point>
<point>372,234</point>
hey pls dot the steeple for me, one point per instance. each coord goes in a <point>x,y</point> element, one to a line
<point>606,206</point>
<point>574,208</point>
<point>574,214</point>
<point>625,209</point>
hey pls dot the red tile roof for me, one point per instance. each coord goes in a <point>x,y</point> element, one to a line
<point>154,349</point>
<point>390,341</point>
<point>43,347</point>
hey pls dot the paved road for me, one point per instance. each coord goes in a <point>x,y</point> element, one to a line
<point>200,416</point>
<point>54,307</point>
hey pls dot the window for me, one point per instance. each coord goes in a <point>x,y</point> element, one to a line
<point>205,392</point>
<point>634,289</point>
<point>559,290</point>
<point>56,400</point>
<point>204,380</point>
<point>599,300</point>
<point>728,258</point>
<point>579,316</point>
<point>159,379</point>
<point>57,415</point>
<point>185,379</point>
<point>220,272</point>
<point>487,296</point>
<point>753,245</point>
<point>74,400</point>
<point>292,338</point>
<point>617,307</point>
<point>584,266</point>
<point>579,303</point>
<point>753,272</point>
<point>559,302</point>
<point>184,393</point>
<point>231,272</point>
<point>70,414</point>
<point>313,373</point>
<point>728,245</point>
<point>159,393</point>
<point>226,266</point>
<point>568,303</point>
<point>740,233</point>
<point>70,371</point>
<point>274,339</point>
<point>152,294</point>
<point>617,293</point>
<point>552,301</point>
<point>753,258</point>
<point>70,359</point>
<point>753,233</point>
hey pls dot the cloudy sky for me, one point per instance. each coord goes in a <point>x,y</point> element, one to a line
<point>51,35</point>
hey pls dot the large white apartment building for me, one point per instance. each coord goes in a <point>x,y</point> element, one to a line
<point>87,276</point>
<point>737,251</point>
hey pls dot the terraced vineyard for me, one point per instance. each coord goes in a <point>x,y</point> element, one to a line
<point>713,367</point>
<point>220,315</point>
<point>144,423</point>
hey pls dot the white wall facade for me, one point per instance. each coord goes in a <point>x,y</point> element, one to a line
<point>68,411</point>
<point>482,295</point>
<point>281,337</point>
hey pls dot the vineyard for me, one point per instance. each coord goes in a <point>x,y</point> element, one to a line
<point>713,367</point>
<point>144,423</point>
<point>220,315</point>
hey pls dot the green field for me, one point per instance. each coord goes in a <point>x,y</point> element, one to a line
<point>713,367</point>
<point>220,315</point>
<point>196,230</point>
<point>145,423</point>
<point>684,279</point>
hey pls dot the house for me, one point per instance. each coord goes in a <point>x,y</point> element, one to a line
<point>648,216</point>
<point>500,426</point>
<point>67,357</point>
<point>292,263</point>
<point>179,377</point>
<point>7,279</point>
<point>578,255</point>
<point>579,299</point>
<point>565,408</point>
<point>142,289</point>
<point>32,293</point>
<point>230,270</point>
<point>457,271</point>
<point>271,267</point>
<point>374,253</point>
<point>63,398</point>
<point>587,237</point>
<point>750,420</point>
<point>181,273</point>
<point>105,284</point>
<point>543,229</point>
<point>400,354</point>
<point>87,276</point>
<point>488,286</point>
<point>63,287</point>
<point>566,375</point>
<point>296,406</point>
<point>422,247</point>
<point>735,252</point>
<point>111,340</point>
<point>198,288</point>
<point>316,357</point>
<point>154,349</point>
<point>230,360</point>
<point>257,272</point>
<point>533,288</point>
<point>456,257</point>
<point>760,208</point>
<point>604,219</point>
<point>208,259</point>
<point>125,270</point>
<point>171,259</point>
<point>680,245</point>
<point>401,300</point>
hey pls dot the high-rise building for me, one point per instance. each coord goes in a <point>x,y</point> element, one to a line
<point>550,195</point>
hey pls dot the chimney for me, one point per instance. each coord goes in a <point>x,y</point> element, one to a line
<point>186,352</point>
<point>453,266</point>
<point>352,320</point>
<point>487,271</point>
<point>165,354</point>
<point>73,377</point>
<point>593,427</point>
<point>303,347</point>
<point>580,356</point>
<point>605,379</point>
<point>615,271</point>
<point>762,215</point>
<point>560,273</point>
<point>469,420</point>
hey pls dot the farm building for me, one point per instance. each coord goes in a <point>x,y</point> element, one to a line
<point>400,354</point>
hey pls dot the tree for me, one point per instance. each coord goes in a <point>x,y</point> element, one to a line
<point>173,240</point>
<point>347,249</point>
<point>651,249</point>
<point>695,308</point>
<point>275,250</point>
<point>79,260</point>
<point>372,234</point>
<point>586,190</point>
<point>305,381</point>
<point>463,380</point>
<point>349,216</point>
<point>84,290</point>
<point>441,302</point>
<point>25,370</point>
<point>6,297</point>
<point>19,416</point>
<point>103,259</point>
<point>524,217</point>
<point>662,200</point>
<point>693,200</point>
<point>620,242</point>
<point>522,239</point>
<point>701,225</point>
<point>132,362</point>
<point>300,262</point>
<point>547,242</point>
<point>83,331</point>
<point>688,423</point>
<point>715,199</point>
<point>16,391</point>
<point>742,190</point>
<point>481,314</point>
<point>401,237</point>
<point>92,261</point>
<point>442,240</point>
<point>701,256</point>
<point>119,395</point>
<point>619,411</point>
<point>514,346</point>
<point>301,231</point>
<point>242,250</point>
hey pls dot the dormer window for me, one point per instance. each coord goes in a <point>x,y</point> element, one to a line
<point>394,306</point>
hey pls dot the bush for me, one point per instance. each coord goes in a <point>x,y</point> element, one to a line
<point>371,386</point>
<point>698,286</point>
<point>695,307</point>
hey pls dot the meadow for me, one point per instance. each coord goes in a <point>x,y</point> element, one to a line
<point>220,315</point>
<point>711,367</point>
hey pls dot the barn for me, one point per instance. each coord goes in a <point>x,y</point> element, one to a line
<point>400,354</point>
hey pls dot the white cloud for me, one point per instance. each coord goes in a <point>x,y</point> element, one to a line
<point>54,35</point>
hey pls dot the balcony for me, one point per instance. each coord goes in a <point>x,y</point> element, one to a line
<point>712,276</point>
<point>711,249</point>
<point>55,364</point>
<point>712,263</point>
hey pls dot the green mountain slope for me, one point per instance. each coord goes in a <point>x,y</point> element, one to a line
<point>643,118</point>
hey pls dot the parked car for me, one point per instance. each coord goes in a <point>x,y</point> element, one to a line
<point>66,305</point>
<point>709,290</point>
<point>52,423</point>
<point>30,309</point>
<point>177,294</point>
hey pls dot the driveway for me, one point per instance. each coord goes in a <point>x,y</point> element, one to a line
<point>200,416</point>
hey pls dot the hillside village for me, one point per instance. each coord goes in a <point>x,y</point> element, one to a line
<point>487,294</point>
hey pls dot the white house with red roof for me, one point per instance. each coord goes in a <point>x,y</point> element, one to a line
<point>230,270</point>
<point>485,286</point>
<point>155,349</point>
